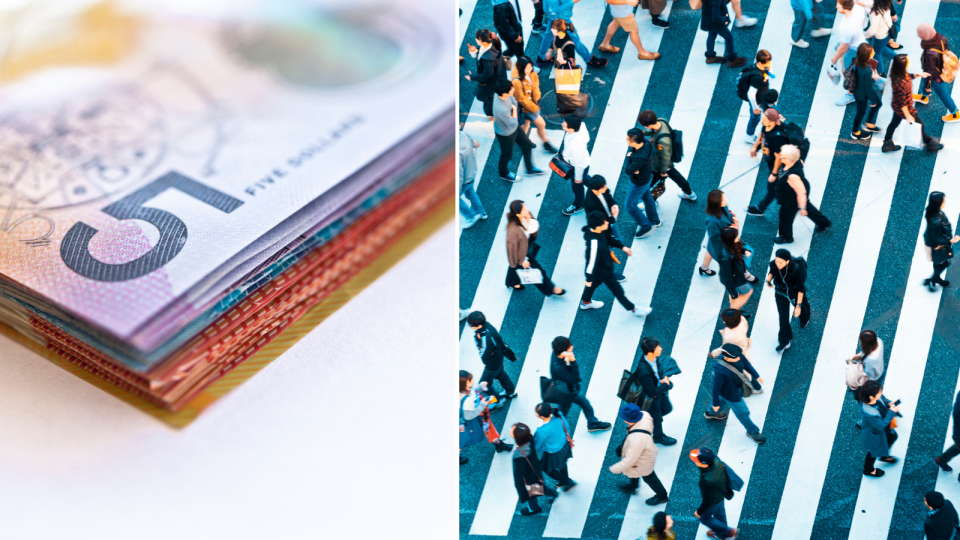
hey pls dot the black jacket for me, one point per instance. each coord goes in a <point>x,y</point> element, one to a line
<point>490,346</point>
<point>640,164</point>
<point>714,15</point>
<point>714,486</point>
<point>792,279</point>
<point>490,69</point>
<point>939,233</point>
<point>560,371</point>
<point>599,263</point>
<point>942,523</point>
<point>592,203</point>
<point>648,381</point>
<point>732,273</point>
<point>526,470</point>
<point>507,22</point>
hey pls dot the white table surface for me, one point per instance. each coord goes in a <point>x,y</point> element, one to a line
<point>331,440</point>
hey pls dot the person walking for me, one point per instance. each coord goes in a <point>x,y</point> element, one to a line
<point>934,45</point>
<point>942,522</point>
<point>522,249</point>
<point>537,23</point>
<point>599,199</point>
<point>772,139</point>
<point>793,191</point>
<point>733,269</point>
<point>623,17</point>
<point>662,136</point>
<point>470,206</point>
<point>734,332</point>
<point>527,93</point>
<point>662,528</point>
<point>576,137</point>
<point>803,12</point>
<point>788,277</point>
<point>752,87</point>
<point>564,368</point>
<point>728,388</point>
<point>943,460</point>
<point>490,68</point>
<point>528,472</point>
<point>849,31</point>
<point>599,265</point>
<point>902,100</point>
<point>865,92</point>
<point>715,20</point>
<point>719,217</point>
<point>655,7</point>
<point>491,348</point>
<point>475,416</point>
<point>552,443</point>
<point>878,33</point>
<point>939,240</point>
<point>506,127</point>
<point>640,202</point>
<point>871,354</point>
<point>876,413</point>
<point>714,489</point>
<point>563,38</point>
<point>508,23</point>
<point>638,456</point>
<point>655,395</point>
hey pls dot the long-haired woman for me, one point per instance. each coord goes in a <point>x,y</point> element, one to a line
<point>526,86</point>
<point>490,68</point>
<point>878,36</point>
<point>901,86</point>
<point>522,248</point>
<point>868,99</point>
<point>733,269</point>
<point>876,413</point>
<point>719,217</point>
<point>552,442</point>
<point>474,415</point>
<point>939,239</point>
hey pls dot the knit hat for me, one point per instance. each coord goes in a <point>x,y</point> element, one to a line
<point>630,413</point>
<point>926,31</point>
<point>784,254</point>
<point>729,350</point>
<point>702,456</point>
<point>595,219</point>
<point>660,522</point>
<point>772,115</point>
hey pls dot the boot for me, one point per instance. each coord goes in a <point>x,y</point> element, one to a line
<point>888,146</point>
<point>503,447</point>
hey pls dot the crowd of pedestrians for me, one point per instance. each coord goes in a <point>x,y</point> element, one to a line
<point>866,58</point>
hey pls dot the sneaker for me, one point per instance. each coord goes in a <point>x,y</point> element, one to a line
<point>749,139</point>
<point>484,216</point>
<point>716,60</point>
<point>799,44</point>
<point>598,426</point>
<point>550,148</point>
<point>782,240</point>
<point>656,501</point>
<point>535,172</point>
<point>658,224</point>
<point>888,146</point>
<point>641,311</point>
<point>596,304</point>
<point>821,32</point>
<point>861,135</point>
<point>567,487</point>
<point>528,512</point>
<point>665,441</point>
<point>952,117</point>
<point>571,210</point>
<point>710,415</point>
<point>660,23</point>
<point>620,278</point>
<point>757,437</point>
<point>691,197</point>
<point>745,22</point>
<point>825,227</point>
<point>921,99</point>
<point>754,211</point>
<point>845,100</point>
<point>598,62</point>
<point>538,29</point>
<point>510,177</point>
<point>781,348</point>
<point>737,62</point>
<point>874,129</point>
<point>644,232</point>
<point>945,466</point>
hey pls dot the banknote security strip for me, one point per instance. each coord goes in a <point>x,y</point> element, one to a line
<point>242,341</point>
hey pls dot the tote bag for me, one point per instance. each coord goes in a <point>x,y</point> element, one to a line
<point>567,79</point>
<point>471,431</point>
<point>910,135</point>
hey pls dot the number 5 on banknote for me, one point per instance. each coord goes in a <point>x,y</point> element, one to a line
<point>74,250</point>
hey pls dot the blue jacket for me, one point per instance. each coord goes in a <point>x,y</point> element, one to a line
<point>875,421</point>
<point>551,437</point>
<point>556,9</point>
<point>806,6</point>
<point>726,385</point>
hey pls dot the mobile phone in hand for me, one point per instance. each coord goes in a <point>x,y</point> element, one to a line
<point>895,403</point>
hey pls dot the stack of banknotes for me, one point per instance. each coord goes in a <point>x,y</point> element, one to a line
<point>178,188</point>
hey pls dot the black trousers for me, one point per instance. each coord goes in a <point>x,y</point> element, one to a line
<point>888,136</point>
<point>770,195</point>
<point>538,13</point>
<point>561,476</point>
<point>862,108</point>
<point>938,269</point>
<point>651,480</point>
<point>506,150</point>
<point>580,189</point>
<point>513,279</point>
<point>659,408</point>
<point>784,307</point>
<point>789,212</point>
<point>679,180</point>
<point>610,281</point>
<point>870,461</point>
<point>489,375</point>
<point>949,453</point>
<point>513,48</point>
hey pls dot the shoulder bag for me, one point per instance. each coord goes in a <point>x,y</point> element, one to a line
<point>562,167</point>
<point>533,490</point>
<point>563,423</point>
<point>746,388</point>
<point>471,431</point>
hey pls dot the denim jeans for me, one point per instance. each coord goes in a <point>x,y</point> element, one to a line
<point>754,121</point>
<point>547,42</point>
<point>470,206</point>
<point>715,518</point>
<point>800,21</point>
<point>740,409</point>
<point>882,48</point>
<point>728,51</point>
<point>636,194</point>
<point>848,57</point>
<point>940,88</point>
<point>584,406</point>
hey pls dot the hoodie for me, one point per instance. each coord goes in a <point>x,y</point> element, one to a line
<point>599,262</point>
<point>490,69</point>
<point>640,164</point>
<point>714,486</point>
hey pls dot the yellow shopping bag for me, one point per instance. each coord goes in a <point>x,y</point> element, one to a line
<point>567,80</point>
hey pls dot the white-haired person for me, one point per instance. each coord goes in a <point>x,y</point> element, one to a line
<point>793,194</point>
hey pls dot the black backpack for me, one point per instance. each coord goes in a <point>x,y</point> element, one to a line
<point>795,134</point>
<point>743,82</point>
<point>676,139</point>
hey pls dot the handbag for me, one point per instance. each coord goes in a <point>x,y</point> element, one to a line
<point>629,390</point>
<point>492,433</point>
<point>533,490</point>
<point>833,72</point>
<point>530,276</point>
<point>658,187</point>
<point>562,167</point>
<point>911,135</point>
<point>551,392</point>
<point>567,79</point>
<point>471,431</point>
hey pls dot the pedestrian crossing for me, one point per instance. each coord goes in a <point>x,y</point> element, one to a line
<point>880,214</point>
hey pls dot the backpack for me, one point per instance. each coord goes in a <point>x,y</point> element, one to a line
<point>676,140</point>
<point>746,389</point>
<point>743,82</point>
<point>856,377</point>
<point>850,78</point>
<point>795,134</point>
<point>950,64</point>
